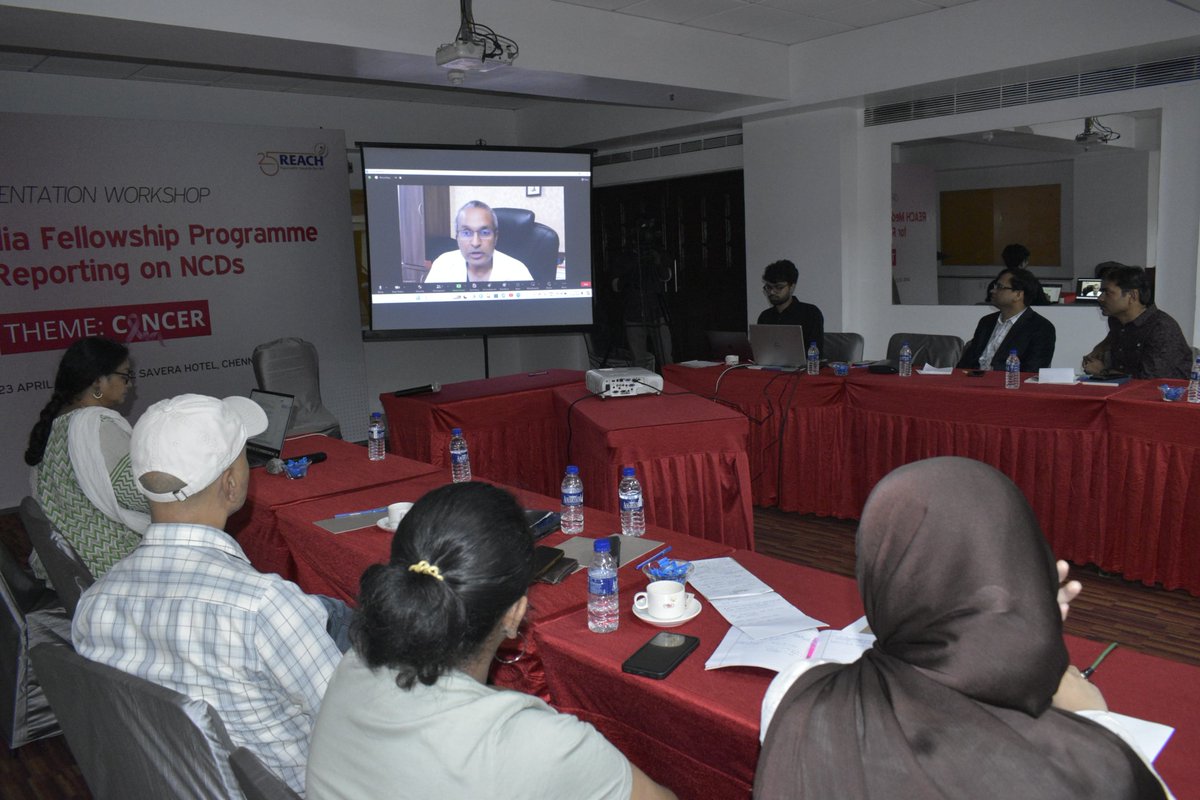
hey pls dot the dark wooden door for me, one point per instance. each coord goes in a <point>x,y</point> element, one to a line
<point>698,225</point>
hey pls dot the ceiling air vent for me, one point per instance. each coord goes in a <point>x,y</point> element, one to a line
<point>1114,79</point>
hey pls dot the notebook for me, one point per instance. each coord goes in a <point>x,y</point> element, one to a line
<point>779,345</point>
<point>268,444</point>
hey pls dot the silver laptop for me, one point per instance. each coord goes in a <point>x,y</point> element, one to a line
<point>269,443</point>
<point>779,345</point>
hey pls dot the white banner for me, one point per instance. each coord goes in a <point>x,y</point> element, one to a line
<point>193,243</point>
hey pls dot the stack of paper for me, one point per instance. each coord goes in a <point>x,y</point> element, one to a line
<point>768,631</point>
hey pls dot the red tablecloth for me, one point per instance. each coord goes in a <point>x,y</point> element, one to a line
<point>346,469</point>
<point>697,731</point>
<point>689,453</point>
<point>326,563</point>
<point>511,430</point>
<point>1153,471</point>
<point>795,420</point>
<point>1050,440</point>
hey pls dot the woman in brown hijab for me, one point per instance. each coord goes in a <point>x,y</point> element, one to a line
<point>954,699</point>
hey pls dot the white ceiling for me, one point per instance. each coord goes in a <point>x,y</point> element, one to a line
<point>780,21</point>
<point>105,47</point>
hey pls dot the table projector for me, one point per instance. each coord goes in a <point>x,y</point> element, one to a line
<point>623,381</point>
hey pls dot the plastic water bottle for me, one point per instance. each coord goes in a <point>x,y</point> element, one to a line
<point>604,610</point>
<point>460,459</point>
<point>376,438</point>
<point>1193,393</point>
<point>1012,371</point>
<point>633,509</point>
<point>905,360</point>
<point>814,359</point>
<point>571,514</point>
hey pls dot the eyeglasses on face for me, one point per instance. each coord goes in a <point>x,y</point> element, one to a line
<point>128,376</point>
<point>482,233</point>
<point>996,286</point>
<point>775,287</point>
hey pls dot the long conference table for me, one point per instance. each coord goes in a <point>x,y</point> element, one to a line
<point>1108,470</point>
<point>710,718</point>
<point>689,453</point>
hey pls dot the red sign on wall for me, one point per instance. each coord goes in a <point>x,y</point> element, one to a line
<point>34,331</point>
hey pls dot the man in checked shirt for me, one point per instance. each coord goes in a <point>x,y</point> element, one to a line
<point>186,610</point>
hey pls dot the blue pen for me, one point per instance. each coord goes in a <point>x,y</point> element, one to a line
<point>356,513</point>
<point>662,552</point>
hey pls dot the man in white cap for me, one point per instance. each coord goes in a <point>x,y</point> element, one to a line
<point>186,610</point>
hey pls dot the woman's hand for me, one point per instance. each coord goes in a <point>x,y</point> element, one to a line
<point>1075,693</point>
<point>1067,590</point>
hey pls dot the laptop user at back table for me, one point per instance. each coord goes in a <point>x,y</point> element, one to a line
<point>779,345</point>
<point>269,443</point>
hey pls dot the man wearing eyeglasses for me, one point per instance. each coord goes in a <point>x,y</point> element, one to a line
<point>779,282</point>
<point>477,259</point>
<point>1013,327</point>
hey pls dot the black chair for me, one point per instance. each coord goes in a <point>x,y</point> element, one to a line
<point>133,738</point>
<point>939,350</point>
<point>69,576</point>
<point>846,347</point>
<point>32,614</point>
<point>258,782</point>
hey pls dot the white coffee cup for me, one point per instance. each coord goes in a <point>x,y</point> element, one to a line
<point>396,512</point>
<point>731,360</point>
<point>663,600</point>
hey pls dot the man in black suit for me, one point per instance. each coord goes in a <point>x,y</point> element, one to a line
<point>1013,327</point>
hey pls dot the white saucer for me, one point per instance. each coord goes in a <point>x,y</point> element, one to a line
<point>383,523</point>
<point>691,612</point>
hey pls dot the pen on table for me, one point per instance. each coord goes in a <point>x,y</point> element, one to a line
<point>662,552</point>
<point>1087,673</point>
<point>364,511</point>
<point>535,374</point>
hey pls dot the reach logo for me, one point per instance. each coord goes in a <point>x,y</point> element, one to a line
<point>270,162</point>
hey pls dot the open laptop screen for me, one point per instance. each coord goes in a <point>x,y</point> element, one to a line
<point>778,345</point>
<point>279,414</point>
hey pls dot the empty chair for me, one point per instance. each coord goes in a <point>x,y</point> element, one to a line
<point>939,350</point>
<point>69,576</point>
<point>290,366</point>
<point>31,614</point>
<point>133,738</point>
<point>258,782</point>
<point>843,346</point>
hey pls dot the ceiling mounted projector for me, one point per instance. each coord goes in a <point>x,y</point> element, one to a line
<point>1095,133</point>
<point>476,48</point>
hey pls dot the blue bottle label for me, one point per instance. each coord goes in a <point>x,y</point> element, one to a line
<point>572,498</point>
<point>459,458</point>
<point>602,585</point>
<point>631,503</point>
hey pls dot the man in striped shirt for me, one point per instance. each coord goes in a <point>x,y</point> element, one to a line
<point>187,611</point>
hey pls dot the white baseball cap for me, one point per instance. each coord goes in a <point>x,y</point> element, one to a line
<point>193,438</point>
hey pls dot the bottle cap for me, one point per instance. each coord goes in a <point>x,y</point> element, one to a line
<point>626,472</point>
<point>456,431</point>
<point>1012,352</point>
<point>572,469</point>
<point>602,546</point>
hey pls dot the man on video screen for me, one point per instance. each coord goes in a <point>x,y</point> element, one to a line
<point>477,260</point>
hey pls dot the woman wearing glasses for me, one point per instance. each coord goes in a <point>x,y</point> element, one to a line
<point>79,450</point>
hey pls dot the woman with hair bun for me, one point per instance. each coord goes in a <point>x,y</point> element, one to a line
<point>79,451</point>
<point>408,712</point>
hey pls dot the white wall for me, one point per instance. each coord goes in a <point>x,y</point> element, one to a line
<point>864,296</point>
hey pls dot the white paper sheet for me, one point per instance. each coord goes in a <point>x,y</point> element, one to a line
<point>723,577</point>
<point>764,615</point>
<point>929,369</point>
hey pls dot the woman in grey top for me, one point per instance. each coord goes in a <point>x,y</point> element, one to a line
<point>408,712</point>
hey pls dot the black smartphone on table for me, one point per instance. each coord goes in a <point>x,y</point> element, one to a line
<point>659,656</point>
